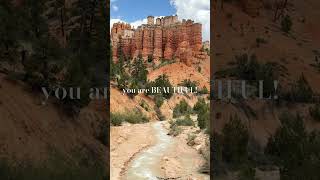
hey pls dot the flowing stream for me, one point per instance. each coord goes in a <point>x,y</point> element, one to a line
<point>146,164</point>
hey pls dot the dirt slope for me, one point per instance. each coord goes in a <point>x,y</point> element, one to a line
<point>236,32</point>
<point>178,72</point>
<point>31,130</point>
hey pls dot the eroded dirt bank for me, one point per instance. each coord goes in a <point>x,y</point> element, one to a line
<point>145,151</point>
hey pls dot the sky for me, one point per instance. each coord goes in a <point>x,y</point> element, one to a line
<point>135,12</point>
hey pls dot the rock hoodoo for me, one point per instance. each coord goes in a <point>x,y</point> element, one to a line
<point>164,38</point>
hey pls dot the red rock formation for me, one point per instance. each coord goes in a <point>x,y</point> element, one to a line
<point>168,38</point>
<point>157,51</point>
<point>147,41</point>
<point>168,51</point>
<point>137,42</point>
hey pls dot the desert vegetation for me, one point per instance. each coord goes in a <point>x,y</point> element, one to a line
<point>41,60</point>
<point>181,109</point>
<point>133,117</point>
<point>301,147</point>
<point>56,167</point>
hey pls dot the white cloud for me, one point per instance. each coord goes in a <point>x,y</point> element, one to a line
<point>112,21</point>
<point>197,10</point>
<point>143,21</point>
<point>134,24</point>
<point>115,7</point>
<point>137,23</point>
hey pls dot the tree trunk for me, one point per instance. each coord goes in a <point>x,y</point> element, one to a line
<point>275,18</point>
<point>62,22</point>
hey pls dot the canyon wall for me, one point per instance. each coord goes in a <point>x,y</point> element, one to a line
<point>164,38</point>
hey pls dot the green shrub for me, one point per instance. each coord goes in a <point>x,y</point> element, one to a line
<point>204,120</point>
<point>175,130</point>
<point>163,82</point>
<point>139,73</point>
<point>133,117</point>
<point>204,90</point>
<point>235,138</point>
<point>116,119</point>
<point>203,112</point>
<point>164,62</point>
<point>159,100</point>
<point>247,173</point>
<point>187,121</point>
<point>144,105</point>
<point>286,24</point>
<point>248,68</point>
<point>56,167</point>
<point>200,106</point>
<point>315,112</point>
<point>300,91</point>
<point>188,83</point>
<point>190,139</point>
<point>216,149</point>
<point>136,117</point>
<point>181,109</point>
<point>302,149</point>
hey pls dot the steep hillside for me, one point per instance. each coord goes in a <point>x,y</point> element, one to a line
<point>266,40</point>
<point>37,134</point>
<point>236,32</point>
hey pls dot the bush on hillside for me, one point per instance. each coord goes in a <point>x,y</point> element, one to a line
<point>204,120</point>
<point>204,90</point>
<point>190,139</point>
<point>163,82</point>
<point>175,130</point>
<point>247,173</point>
<point>187,121</point>
<point>235,138</point>
<point>301,160</point>
<point>300,91</point>
<point>188,83</point>
<point>133,117</point>
<point>181,109</point>
<point>315,112</point>
<point>202,110</point>
<point>158,100</point>
<point>286,24</point>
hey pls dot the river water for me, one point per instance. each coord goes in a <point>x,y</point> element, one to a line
<point>145,165</point>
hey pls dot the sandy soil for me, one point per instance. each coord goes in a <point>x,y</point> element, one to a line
<point>126,141</point>
<point>31,129</point>
<point>183,161</point>
<point>179,160</point>
<point>178,72</point>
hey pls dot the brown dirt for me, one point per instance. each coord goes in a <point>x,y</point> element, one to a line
<point>184,161</point>
<point>178,72</point>
<point>125,142</point>
<point>31,129</point>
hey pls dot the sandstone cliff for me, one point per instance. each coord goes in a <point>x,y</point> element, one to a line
<point>168,38</point>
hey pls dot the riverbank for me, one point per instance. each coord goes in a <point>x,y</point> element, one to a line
<point>184,161</point>
<point>146,151</point>
<point>126,141</point>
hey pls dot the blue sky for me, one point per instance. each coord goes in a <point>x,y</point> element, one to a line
<point>132,10</point>
<point>135,12</point>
